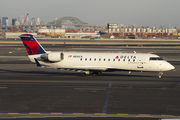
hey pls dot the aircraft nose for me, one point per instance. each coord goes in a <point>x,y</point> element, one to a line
<point>168,66</point>
<point>171,67</point>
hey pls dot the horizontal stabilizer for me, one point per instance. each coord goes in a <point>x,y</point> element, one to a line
<point>37,63</point>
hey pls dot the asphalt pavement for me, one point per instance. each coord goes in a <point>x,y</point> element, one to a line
<point>30,92</point>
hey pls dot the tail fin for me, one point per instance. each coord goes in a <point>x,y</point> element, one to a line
<point>31,44</point>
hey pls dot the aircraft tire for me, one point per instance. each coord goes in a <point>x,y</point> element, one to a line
<point>95,73</point>
<point>84,74</point>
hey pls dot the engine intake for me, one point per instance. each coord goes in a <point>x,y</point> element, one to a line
<point>53,57</point>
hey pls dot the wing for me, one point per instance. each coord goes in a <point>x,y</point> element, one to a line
<point>88,68</point>
<point>76,68</point>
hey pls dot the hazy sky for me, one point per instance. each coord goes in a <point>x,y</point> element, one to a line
<point>98,12</point>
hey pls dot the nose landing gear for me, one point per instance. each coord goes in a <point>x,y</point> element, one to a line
<point>160,74</point>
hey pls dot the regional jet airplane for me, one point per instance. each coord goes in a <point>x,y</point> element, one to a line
<point>95,63</point>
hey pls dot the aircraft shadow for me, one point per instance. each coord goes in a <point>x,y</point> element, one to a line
<point>40,72</point>
<point>67,73</point>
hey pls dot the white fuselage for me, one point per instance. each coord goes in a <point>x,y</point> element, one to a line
<point>108,61</point>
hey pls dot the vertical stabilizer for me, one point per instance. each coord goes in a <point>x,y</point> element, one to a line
<point>31,44</point>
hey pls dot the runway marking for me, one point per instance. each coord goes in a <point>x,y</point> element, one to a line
<point>144,114</point>
<point>89,88</point>
<point>34,113</point>
<point>24,59</point>
<point>94,114</point>
<point>78,113</point>
<point>105,107</point>
<point>56,113</point>
<point>167,115</point>
<point>12,113</point>
<point>3,87</point>
<point>100,114</point>
<point>122,114</point>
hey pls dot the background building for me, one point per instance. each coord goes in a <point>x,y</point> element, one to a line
<point>38,21</point>
<point>21,19</point>
<point>14,21</point>
<point>0,21</point>
<point>27,21</point>
<point>17,23</point>
<point>33,21</point>
<point>4,21</point>
<point>42,23</point>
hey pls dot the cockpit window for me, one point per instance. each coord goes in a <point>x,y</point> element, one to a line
<point>155,58</point>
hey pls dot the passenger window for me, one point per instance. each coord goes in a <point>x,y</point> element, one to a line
<point>94,59</point>
<point>85,59</point>
<point>129,60</point>
<point>155,58</point>
<point>90,59</point>
<point>113,59</point>
<point>81,59</point>
<point>108,59</point>
<point>133,60</point>
<point>99,59</point>
<point>118,59</point>
<point>104,59</point>
<point>124,60</point>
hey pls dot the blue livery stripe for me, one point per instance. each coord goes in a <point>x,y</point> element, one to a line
<point>40,51</point>
<point>28,48</point>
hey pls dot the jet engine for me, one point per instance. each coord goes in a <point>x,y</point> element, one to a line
<point>53,57</point>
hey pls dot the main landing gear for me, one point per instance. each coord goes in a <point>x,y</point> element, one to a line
<point>94,73</point>
<point>160,74</point>
<point>85,73</point>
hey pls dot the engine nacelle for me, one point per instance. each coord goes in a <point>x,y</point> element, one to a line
<point>53,57</point>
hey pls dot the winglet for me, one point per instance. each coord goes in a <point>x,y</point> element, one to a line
<point>37,63</point>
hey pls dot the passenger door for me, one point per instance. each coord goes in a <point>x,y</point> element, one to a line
<point>140,63</point>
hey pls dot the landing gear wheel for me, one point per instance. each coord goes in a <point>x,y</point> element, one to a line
<point>95,73</point>
<point>84,74</point>
<point>160,74</point>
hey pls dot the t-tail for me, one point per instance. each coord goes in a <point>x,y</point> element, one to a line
<point>31,44</point>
